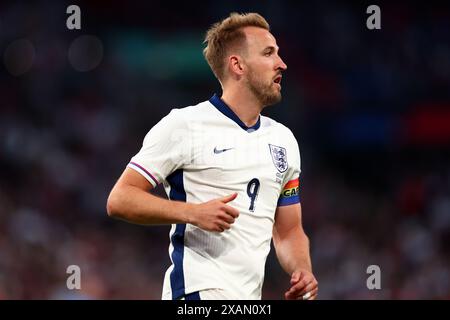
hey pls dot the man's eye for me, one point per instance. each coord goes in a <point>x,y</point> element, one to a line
<point>267,54</point>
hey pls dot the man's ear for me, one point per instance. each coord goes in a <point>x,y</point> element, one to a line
<point>236,65</point>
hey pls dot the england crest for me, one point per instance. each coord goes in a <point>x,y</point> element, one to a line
<point>279,158</point>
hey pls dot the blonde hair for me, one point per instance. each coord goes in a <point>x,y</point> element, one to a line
<point>226,34</point>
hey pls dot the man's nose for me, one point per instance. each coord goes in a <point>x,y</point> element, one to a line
<point>281,65</point>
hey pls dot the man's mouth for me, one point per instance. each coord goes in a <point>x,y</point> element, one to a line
<point>277,80</point>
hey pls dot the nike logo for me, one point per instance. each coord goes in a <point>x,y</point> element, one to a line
<point>216,151</point>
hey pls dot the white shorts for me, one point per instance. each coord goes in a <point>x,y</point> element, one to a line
<point>206,294</point>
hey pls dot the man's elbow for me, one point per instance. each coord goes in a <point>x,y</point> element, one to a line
<point>113,204</point>
<point>303,235</point>
<point>306,239</point>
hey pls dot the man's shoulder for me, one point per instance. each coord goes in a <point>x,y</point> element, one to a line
<point>182,116</point>
<point>191,109</point>
<point>275,125</point>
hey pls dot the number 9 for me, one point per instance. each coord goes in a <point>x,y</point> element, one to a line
<point>252,192</point>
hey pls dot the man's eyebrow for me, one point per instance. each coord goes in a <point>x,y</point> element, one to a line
<point>270,48</point>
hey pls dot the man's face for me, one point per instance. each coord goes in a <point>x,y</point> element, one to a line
<point>264,66</point>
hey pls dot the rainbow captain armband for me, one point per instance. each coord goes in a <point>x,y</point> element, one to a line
<point>290,193</point>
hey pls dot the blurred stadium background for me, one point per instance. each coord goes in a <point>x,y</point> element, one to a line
<point>371,111</point>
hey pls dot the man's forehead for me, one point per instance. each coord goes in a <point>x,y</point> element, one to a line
<point>259,37</point>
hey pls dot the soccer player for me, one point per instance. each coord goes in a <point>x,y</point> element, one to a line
<point>231,175</point>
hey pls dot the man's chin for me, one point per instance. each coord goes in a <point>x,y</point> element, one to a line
<point>270,101</point>
<point>276,97</point>
<point>268,96</point>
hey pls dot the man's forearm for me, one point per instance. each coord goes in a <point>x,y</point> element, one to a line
<point>293,252</point>
<point>137,206</point>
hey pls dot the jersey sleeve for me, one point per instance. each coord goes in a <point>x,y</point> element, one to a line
<point>290,192</point>
<point>165,149</point>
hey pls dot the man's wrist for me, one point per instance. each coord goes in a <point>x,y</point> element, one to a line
<point>187,212</point>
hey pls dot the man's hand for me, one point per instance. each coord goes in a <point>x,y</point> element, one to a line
<point>214,215</point>
<point>304,286</point>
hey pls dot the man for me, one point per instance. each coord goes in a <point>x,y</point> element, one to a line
<point>232,177</point>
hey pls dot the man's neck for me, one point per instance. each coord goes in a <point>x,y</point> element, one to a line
<point>243,105</point>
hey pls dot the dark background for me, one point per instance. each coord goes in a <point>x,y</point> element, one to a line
<point>370,109</point>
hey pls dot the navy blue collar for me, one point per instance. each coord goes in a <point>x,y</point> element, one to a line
<point>226,110</point>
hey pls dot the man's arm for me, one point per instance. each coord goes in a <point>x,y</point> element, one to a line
<point>292,249</point>
<point>131,200</point>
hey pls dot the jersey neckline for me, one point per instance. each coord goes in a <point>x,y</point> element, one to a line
<point>217,102</point>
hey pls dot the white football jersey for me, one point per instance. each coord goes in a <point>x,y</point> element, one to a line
<point>205,152</point>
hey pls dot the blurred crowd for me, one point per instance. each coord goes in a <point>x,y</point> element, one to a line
<point>370,109</point>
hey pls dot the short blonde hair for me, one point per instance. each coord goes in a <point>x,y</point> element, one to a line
<point>225,34</point>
